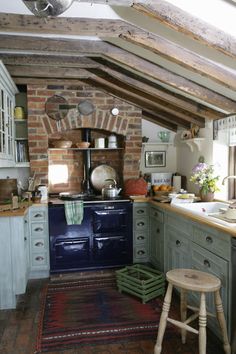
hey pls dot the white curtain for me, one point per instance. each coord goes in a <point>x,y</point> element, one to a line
<point>228,124</point>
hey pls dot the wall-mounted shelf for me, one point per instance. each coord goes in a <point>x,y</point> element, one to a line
<point>193,143</point>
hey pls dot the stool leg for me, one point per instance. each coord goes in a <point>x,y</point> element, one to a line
<point>202,324</point>
<point>222,322</point>
<point>183,312</point>
<point>163,319</point>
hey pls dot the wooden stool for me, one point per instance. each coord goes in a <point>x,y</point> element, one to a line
<point>193,280</point>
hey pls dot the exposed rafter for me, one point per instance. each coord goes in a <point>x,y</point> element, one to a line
<point>181,21</point>
<point>72,47</point>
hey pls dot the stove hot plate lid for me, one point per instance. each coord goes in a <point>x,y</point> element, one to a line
<point>71,195</point>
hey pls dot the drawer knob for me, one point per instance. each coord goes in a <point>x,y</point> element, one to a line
<point>140,211</point>
<point>207,263</point>
<point>140,238</point>
<point>141,252</point>
<point>38,215</point>
<point>38,229</point>
<point>157,231</point>
<point>209,239</point>
<point>141,223</point>
<point>39,244</point>
<point>178,243</point>
<point>39,258</point>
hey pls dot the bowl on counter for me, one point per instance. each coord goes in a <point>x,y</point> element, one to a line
<point>83,145</point>
<point>62,144</point>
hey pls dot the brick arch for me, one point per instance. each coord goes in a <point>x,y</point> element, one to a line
<point>40,126</point>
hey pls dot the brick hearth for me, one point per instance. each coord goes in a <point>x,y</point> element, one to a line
<point>42,130</point>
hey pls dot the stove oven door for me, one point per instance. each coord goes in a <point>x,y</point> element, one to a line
<point>71,253</point>
<point>111,250</point>
<point>109,219</point>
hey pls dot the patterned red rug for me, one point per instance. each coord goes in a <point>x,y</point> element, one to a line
<point>92,311</point>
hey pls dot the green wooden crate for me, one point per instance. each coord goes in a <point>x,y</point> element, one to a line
<point>141,281</point>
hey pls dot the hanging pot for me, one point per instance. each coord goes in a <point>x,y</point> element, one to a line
<point>44,8</point>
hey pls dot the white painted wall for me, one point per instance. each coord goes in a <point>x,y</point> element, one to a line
<point>214,152</point>
<point>151,131</point>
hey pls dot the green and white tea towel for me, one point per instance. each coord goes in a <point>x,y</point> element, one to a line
<point>74,212</point>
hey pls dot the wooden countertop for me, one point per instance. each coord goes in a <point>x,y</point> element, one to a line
<point>183,212</point>
<point>23,206</point>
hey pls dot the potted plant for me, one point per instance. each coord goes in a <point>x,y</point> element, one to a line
<point>203,175</point>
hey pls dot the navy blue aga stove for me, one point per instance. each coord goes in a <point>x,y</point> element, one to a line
<point>103,240</point>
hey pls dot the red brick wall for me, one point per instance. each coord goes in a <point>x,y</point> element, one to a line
<point>42,130</point>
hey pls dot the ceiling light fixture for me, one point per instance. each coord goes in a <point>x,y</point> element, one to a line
<point>46,8</point>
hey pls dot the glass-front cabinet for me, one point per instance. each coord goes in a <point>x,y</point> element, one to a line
<point>7,103</point>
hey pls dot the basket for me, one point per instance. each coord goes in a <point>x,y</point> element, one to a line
<point>141,281</point>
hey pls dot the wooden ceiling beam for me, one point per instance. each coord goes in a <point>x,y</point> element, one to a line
<point>47,72</point>
<point>46,46</point>
<point>157,120</point>
<point>158,91</point>
<point>157,103</point>
<point>136,100</point>
<point>42,60</point>
<point>183,57</point>
<point>181,21</point>
<point>100,27</point>
<point>113,28</point>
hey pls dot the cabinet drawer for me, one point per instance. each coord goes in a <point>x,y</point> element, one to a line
<point>38,229</point>
<point>157,214</point>
<point>39,245</point>
<point>180,224</point>
<point>140,211</point>
<point>141,224</point>
<point>39,259</point>
<point>140,252</point>
<point>177,241</point>
<point>216,243</point>
<point>38,214</point>
<point>141,237</point>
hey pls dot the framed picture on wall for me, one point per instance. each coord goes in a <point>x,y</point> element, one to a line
<point>155,159</point>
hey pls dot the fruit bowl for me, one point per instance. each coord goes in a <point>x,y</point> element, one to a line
<point>83,145</point>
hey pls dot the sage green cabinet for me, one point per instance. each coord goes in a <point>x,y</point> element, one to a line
<point>140,232</point>
<point>14,257</point>
<point>156,236</point>
<point>39,242</point>
<point>211,252</point>
<point>178,237</point>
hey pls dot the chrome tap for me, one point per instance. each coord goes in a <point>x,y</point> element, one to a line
<point>227,177</point>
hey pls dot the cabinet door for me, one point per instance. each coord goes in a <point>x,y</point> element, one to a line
<point>177,249</point>
<point>19,254</point>
<point>156,239</point>
<point>6,127</point>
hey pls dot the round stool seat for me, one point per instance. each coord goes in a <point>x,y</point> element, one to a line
<point>191,279</point>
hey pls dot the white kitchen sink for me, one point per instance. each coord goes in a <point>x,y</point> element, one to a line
<point>203,208</point>
<point>211,210</point>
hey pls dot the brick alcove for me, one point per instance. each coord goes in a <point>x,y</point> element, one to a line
<point>42,130</point>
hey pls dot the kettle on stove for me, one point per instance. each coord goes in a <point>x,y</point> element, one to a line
<point>110,190</point>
